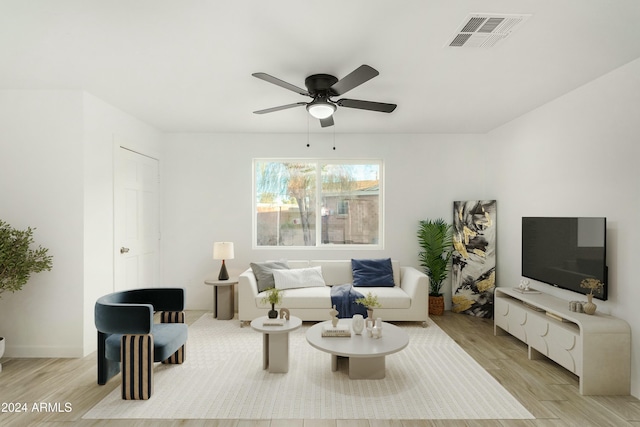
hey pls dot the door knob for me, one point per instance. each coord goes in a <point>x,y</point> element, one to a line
<point>124,250</point>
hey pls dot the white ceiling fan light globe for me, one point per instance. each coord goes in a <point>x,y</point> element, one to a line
<point>321,109</point>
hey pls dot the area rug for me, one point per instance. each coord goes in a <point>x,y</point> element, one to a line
<point>222,378</point>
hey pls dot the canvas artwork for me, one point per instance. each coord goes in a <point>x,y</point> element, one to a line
<point>473,271</point>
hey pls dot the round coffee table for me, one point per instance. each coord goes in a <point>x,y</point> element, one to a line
<point>366,355</point>
<point>275,343</point>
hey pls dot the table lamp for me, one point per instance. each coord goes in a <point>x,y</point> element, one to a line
<point>223,250</point>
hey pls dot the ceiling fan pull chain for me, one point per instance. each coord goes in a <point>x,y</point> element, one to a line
<point>308,144</point>
<point>334,138</point>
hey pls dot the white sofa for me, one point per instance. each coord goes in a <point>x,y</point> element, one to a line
<point>407,301</point>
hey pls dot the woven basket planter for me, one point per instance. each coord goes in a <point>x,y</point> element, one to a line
<point>436,305</point>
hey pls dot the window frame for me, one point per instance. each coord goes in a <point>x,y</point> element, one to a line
<point>319,245</point>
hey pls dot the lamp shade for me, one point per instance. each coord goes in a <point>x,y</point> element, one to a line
<point>223,250</point>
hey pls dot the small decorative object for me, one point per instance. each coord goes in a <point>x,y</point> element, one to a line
<point>334,316</point>
<point>594,285</point>
<point>285,314</point>
<point>589,307</point>
<point>273,296</point>
<point>376,331</point>
<point>369,326</point>
<point>370,301</point>
<point>357,323</point>
<point>273,313</point>
<point>223,250</point>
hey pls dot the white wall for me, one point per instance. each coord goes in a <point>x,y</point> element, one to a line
<point>56,174</point>
<point>207,193</point>
<point>41,185</point>
<point>576,156</point>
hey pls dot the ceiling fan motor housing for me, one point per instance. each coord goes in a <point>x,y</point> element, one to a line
<point>320,84</point>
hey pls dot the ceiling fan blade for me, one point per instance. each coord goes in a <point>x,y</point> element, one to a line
<point>281,83</point>
<point>326,122</point>
<point>367,105</point>
<point>282,107</point>
<point>358,76</point>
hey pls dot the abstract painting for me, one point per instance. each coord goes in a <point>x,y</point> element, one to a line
<point>473,270</point>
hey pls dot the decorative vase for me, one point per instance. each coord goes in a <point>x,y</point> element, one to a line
<point>376,331</point>
<point>589,307</point>
<point>369,312</point>
<point>436,305</point>
<point>368,324</point>
<point>273,314</point>
<point>357,323</point>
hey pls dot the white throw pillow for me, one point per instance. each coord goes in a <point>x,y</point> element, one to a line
<point>298,278</point>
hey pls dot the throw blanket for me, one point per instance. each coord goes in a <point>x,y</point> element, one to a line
<point>344,298</point>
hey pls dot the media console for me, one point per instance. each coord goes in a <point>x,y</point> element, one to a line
<point>597,348</point>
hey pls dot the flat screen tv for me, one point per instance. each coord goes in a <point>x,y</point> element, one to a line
<point>563,251</point>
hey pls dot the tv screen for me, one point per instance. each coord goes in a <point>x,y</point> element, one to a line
<point>564,251</point>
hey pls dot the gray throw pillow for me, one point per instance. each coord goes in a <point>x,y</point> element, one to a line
<point>264,273</point>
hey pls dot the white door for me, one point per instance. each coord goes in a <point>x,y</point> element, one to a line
<point>136,218</point>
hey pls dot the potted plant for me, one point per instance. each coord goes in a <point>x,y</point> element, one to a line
<point>18,260</point>
<point>370,301</point>
<point>273,296</point>
<point>594,285</point>
<point>436,240</point>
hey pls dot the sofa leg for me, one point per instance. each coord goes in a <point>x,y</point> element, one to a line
<point>136,356</point>
<point>179,356</point>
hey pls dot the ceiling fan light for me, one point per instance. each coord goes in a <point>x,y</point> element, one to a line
<point>321,109</point>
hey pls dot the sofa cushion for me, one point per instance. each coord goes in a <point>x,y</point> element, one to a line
<point>298,278</point>
<point>334,272</point>
<point>264,273</point>
<point>372,272</point>
<point>388,297</point>
<point>302,298</point>
<point>167,339</point>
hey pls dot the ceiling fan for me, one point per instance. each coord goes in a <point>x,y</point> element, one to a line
<point>323,87</point>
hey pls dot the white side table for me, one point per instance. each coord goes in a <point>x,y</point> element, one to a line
<point>275,343</point>
<point>222,297</point>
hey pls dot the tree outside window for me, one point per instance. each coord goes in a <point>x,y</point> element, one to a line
<point>291,209</point>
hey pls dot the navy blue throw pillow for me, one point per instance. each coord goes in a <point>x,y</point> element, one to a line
<point>372,272</point>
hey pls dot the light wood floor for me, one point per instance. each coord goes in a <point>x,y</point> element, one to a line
<point>548,391</point>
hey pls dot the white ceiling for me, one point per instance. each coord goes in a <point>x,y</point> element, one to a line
<point>185,65</point>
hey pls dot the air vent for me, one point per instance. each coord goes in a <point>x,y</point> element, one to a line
<point>486,29</point>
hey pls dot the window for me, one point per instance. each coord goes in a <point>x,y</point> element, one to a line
<point>317,203</point>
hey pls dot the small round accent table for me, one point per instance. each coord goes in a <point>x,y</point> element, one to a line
<point>222,297</point>
<point>366,355</point>
<point>275,343</point>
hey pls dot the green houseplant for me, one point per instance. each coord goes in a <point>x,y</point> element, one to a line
<point>436,240</point>
<point>17,259</point>
<point>370,301</point>
<point>273,296</point>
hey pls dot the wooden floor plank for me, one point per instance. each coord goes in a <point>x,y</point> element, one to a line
<point>547,390</point>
